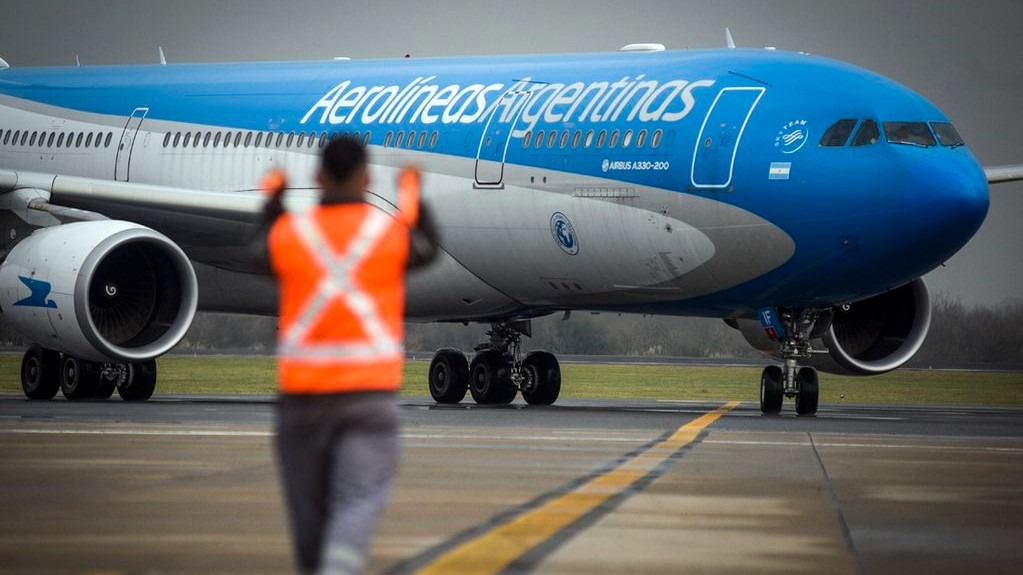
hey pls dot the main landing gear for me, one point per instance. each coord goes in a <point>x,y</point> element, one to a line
<point>790,380</point>
<point>44,372</point>
<point>496,373</point>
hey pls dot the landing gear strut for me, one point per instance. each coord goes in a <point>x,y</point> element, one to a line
<point>496,373</point>
<point>793,329</point>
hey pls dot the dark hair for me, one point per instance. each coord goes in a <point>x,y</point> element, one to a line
<point>342,157</point>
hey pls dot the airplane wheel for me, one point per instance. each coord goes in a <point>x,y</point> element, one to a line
<point>79,379</point>
<point>140,383</point>
<point>40,373</point>
<point>449,376</point>
<point>771,390</point>
<point>809,391</point>
<point>490,378</point>
<point>542,378</point>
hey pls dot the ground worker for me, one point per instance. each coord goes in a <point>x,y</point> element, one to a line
<point>340,270</point>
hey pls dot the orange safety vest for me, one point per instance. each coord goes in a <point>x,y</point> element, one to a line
<point>340,269</point>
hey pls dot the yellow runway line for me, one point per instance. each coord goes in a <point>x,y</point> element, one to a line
<point>496,549</point>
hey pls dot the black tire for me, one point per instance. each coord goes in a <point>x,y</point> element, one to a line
<point>809,391</point>
<point>40,373</point>
<point>541,378</point>
<point>449,376</point>
<point>490,378</point>
<point>79,379</point>
<point>771,390</point>
<point>141,381</point>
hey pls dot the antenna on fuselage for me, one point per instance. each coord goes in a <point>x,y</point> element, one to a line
<point>78,61</point>
<point>728,38</point>
<point>3,64</point>
<point>163,59</point>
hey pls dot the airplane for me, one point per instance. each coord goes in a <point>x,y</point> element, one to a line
<point>796,197</point>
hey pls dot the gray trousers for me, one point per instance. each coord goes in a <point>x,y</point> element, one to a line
<point>338,455</point>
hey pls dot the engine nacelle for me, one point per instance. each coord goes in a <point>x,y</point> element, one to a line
<point>869,337</point>
<point>101,291</point>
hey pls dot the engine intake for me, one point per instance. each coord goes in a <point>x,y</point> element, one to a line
<point>101,291</point>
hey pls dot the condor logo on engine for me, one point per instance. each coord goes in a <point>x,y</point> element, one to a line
<point>40,292</point>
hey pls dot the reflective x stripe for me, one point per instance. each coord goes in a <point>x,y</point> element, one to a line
<point>338,283</point>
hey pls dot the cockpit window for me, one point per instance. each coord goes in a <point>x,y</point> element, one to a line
<point>867,134</point>
<point>912,133</point>
<point>838,133</point>
<point>947,134</point>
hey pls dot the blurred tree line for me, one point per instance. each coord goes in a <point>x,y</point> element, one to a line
<point>959,333</point>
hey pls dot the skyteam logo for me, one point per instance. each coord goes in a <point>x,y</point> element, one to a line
<point>564,234</point>
<point>792,137</point>
<point>40,292</point>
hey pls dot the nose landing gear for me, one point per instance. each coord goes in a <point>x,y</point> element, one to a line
<point>496,373</point>
<point>793,330</point>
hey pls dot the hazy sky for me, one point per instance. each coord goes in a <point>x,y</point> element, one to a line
<point>966,57</point>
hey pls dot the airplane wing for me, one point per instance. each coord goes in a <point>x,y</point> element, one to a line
<point>1002,174</point>
<point>208,226</point>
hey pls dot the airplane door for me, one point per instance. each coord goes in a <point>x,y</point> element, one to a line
<point>496,136</point>
<point>123,161</point>
<point>718,142</point>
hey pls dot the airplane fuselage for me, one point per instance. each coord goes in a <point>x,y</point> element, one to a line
<point>681,183</point>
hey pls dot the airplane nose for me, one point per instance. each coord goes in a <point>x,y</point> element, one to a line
<point>947,202</point>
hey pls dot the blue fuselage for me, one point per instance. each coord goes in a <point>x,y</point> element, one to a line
<point>673,182</point>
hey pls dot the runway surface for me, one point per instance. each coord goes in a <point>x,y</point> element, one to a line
<point>189,485</point>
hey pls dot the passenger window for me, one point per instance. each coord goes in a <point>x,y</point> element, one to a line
<point>248,139</point>
<point>42,139</point>
<point>206,140</point>
<point>166,139</point>
<point>614,139</point>
<point>60,141</point>
<point>400,139</point>
<point>564,139</point>
<point>99,139</point>
<point>216,139</point>
<point>78,139</point>
<point>188,140</point>
<point>411,140</point>
<point>32,140</point>
<point>589,139</point>
<point>539,138</point>
<point>14,140</point>
<point>53,135</point>
<point>301,139</point>
<point>323,139</point>
<point>259,140</point>
<point>422,139</point>
<point>526,139</point>
<point>290,140</point>
<point>947,134</point>
<point>69,140</point>
<point>7,137</point>
<point>655,140</point>
<point>177,139</point>
<point>911,133</point>
<point>367,137</point>
<point>88,140</point>
<point>552,138</point>
<point>196,139</point>
<point>387,139</point>
<point>838,134</point>
<point>237,139</point>
<point>433,139</point>
<point>867,135</point>
<point>576,137</point>
<point>641,139</point>
<point>280,139</point>
<point>24,137</point>
<point>627,139</point>
<point>601,137</point>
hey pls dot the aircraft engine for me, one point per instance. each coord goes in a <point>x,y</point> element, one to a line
<point>109,291</point>
<point>869,337</point>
